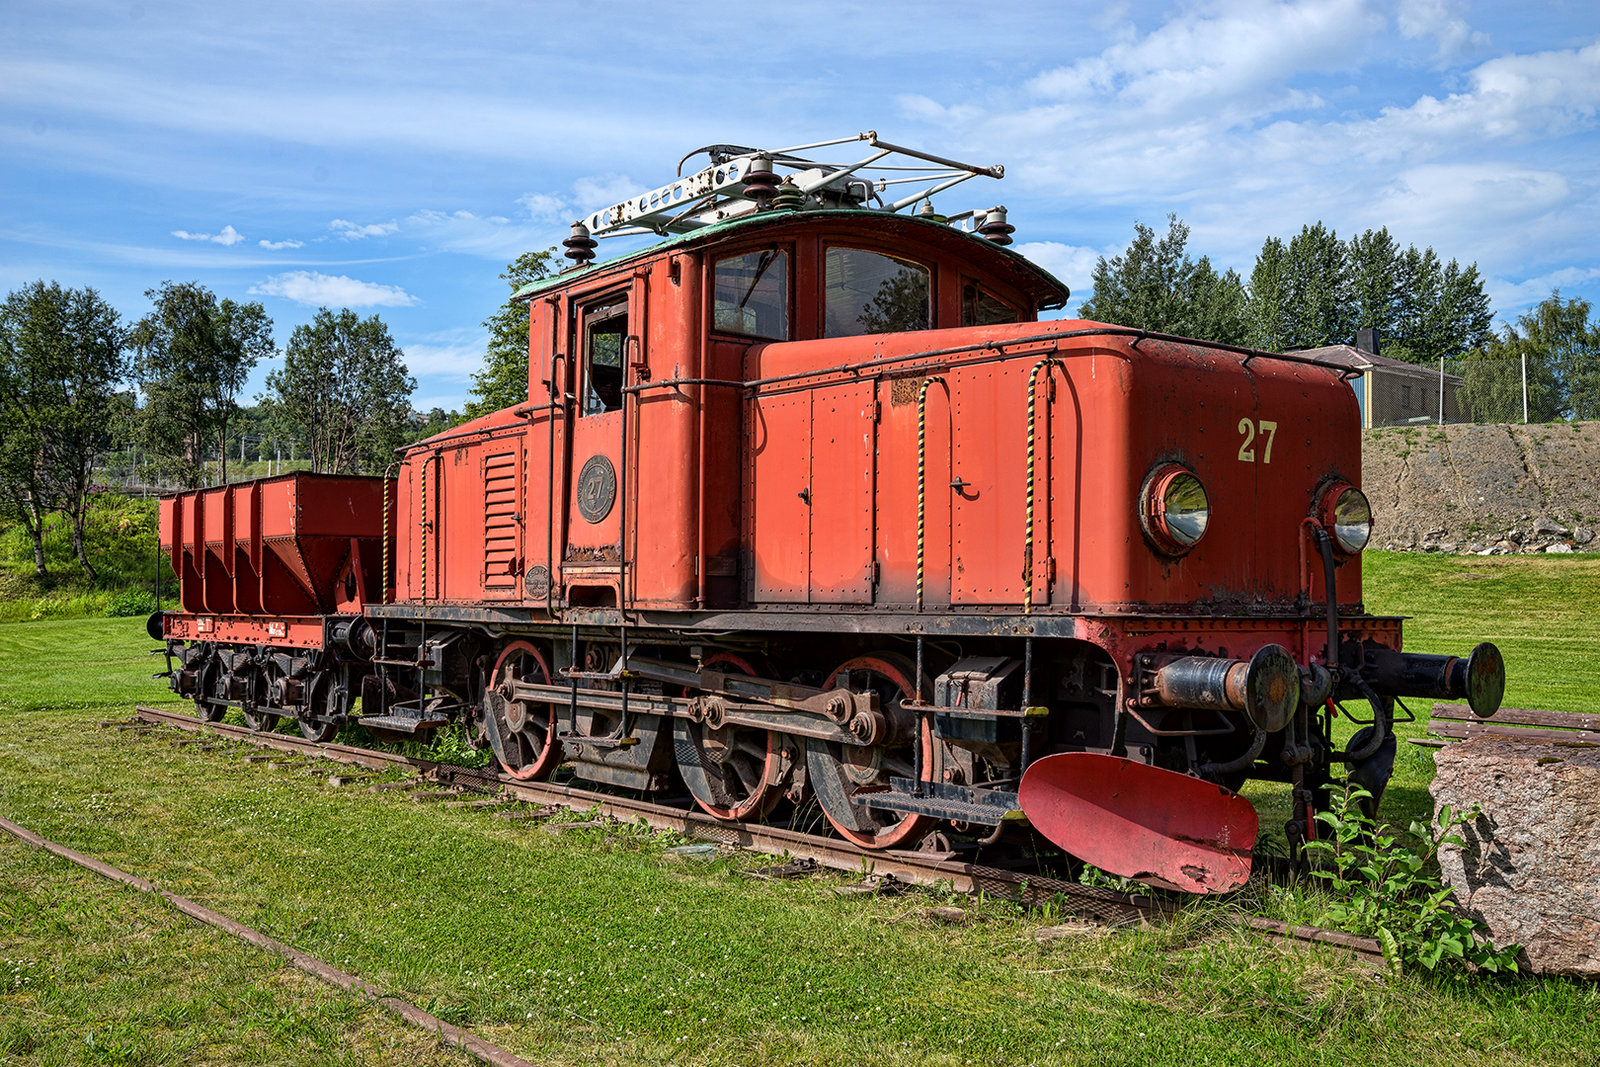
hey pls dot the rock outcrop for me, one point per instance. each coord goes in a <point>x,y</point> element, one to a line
<point>1530,866</point>
<point>1488,490</point>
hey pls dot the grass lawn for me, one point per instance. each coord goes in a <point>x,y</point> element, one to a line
<point>595,947</point>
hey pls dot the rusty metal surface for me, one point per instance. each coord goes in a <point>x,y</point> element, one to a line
<point>1142,822</point>
<point>298,544</point>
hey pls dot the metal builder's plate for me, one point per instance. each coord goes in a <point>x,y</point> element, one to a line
<point>1142,822</point>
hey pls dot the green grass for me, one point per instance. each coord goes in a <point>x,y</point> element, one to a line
<point>120,539</point>
<point>1540,610</point>
<point>594,947</point>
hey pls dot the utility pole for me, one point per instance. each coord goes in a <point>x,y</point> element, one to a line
<point>1524,388</point>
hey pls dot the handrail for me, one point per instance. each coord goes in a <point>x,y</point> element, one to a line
<point>922,479</point>
<point>1027,544</point>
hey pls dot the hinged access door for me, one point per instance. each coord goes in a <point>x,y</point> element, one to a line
<point>502,473</point>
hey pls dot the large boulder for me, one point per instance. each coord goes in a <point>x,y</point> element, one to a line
<point>1530,865</point>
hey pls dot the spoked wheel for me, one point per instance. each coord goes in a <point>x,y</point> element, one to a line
<point>522,733</point>
<point>322,706</point>
<point>731,770</point>
<point>260,687</point>
<point>842,775</point>
<point>210,679</point>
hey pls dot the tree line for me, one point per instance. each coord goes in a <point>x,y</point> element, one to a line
<point>77,382</point>
<point>1315,289</point>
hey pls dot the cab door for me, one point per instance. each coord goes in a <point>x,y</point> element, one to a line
<point>605,341</point>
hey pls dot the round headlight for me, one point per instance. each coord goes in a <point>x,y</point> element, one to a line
<point>1174,509</point>
<point>1348,516</point>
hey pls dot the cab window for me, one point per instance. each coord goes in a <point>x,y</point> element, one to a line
<point>872,293</point>
<point>751,294</point>
<point>980,308</point>
<point>604,327</point>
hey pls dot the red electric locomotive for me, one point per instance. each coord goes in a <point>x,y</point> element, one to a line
<point>805,501</point>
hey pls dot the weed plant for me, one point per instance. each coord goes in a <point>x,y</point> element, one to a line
<point>1387,886</point>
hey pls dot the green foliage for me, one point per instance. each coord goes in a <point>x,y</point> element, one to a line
<point>1561,345</point>
<point>62,360</point>
<point>1312,290</point>
<point>119,534</point>
<point>502,382</point>
<point>901,303</point>
<point>344,391</point>
<point>1315,290</point>
<point>194,354</point>
<point>589,946</point>
<point>1389,889</point>
<point>1155,285</point>
<point>131,602</point>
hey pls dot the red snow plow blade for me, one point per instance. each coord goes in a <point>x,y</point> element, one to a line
<point>1142,822</point>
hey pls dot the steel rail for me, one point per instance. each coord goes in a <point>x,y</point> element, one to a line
<point>919,868</point>
<point>467,1041</point>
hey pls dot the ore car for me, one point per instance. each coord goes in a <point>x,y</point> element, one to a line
<point>806,501</point>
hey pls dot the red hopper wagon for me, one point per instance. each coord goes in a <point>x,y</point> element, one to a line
<point>806,502</point>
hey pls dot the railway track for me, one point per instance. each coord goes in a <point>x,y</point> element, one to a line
<point>917,868</point>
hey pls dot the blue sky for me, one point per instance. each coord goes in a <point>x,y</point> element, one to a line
<point>393,157</point>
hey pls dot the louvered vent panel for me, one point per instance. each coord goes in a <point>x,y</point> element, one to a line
<point>500,520</point>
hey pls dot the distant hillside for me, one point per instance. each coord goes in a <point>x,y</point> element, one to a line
<point>1466,488</point>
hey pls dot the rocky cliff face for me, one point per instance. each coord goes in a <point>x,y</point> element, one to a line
<point>1484,489</point>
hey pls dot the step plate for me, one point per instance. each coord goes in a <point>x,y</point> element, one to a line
<point>1142,822</point>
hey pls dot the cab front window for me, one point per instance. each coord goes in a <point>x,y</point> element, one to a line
<point>872,293</point>
<point>751,294</point>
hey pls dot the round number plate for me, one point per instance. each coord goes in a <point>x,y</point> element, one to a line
<point>597,488</point>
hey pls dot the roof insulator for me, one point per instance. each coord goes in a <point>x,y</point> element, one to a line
<point>995,228</point>
<point>760,183</point>
<point>789,197</point>
<point>580,246</point>
<point>926,212</point>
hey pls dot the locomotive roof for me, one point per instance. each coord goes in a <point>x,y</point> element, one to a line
<point>1046,290</point>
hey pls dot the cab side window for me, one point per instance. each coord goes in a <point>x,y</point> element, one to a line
<point>981,308</point>
<point>751,294</point>
<point>872,293</point>
<point>604,334</point>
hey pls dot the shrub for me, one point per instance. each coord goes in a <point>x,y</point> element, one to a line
<point>131,602</point>
<point>1391,890</point>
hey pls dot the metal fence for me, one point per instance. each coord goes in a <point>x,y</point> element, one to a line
<point>1465,390</point>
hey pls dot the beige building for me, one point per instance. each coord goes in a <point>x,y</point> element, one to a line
<point>1392,392</point>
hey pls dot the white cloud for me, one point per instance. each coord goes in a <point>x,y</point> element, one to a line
<point>593,192</point>
<point>544,207</point>
<point>228,236</point>
<point>316,290</point>
<point>450,361</point>
<point>1071,263</point>
<point>1440,20</point>
<point>1511,298</point>
<point>274,246</point>
<point>350,231</point>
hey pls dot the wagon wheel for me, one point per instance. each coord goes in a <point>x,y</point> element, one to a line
<point>206,709</point>
<point>840,774</point>
<point>321,707</point>
<point>260,687</point>
<point>731,772</point>
<point>522,733</point>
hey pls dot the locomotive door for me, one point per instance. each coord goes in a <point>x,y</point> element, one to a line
<point>605,341</point>
<point>999,533</point>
